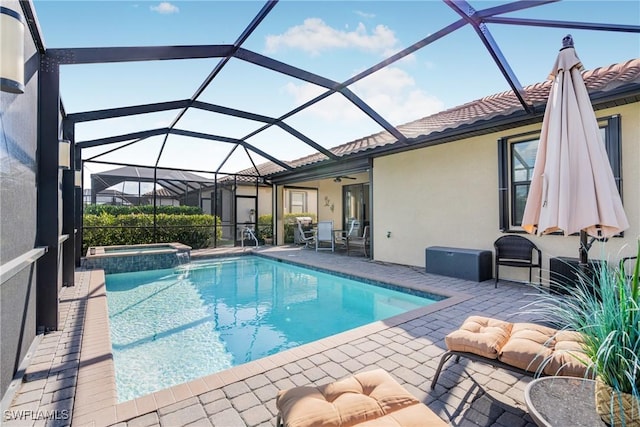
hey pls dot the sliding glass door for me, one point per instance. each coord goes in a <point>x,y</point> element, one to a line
<point>355,203</point>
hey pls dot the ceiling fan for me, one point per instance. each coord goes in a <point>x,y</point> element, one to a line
<point>341,177</point>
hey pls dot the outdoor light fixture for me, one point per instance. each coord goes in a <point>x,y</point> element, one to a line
<point>64,154</point>
<point>77,178</point>
<point>11,51</point>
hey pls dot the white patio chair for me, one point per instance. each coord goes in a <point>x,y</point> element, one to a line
<point>305,237</point>
<point>324,235</point>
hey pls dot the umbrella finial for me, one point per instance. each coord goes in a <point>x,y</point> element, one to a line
<point>567,41</point>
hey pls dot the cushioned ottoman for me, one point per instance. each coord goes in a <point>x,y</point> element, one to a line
<point>368,399</point>
<point>524,347</point>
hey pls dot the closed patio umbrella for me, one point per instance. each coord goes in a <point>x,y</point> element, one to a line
<point>572,188</point>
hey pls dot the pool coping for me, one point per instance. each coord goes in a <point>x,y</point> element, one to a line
<point>96,400</point>
<point>158,248</point>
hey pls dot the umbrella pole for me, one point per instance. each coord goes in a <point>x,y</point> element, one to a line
<point>588,273</point>
<point>584,249</point>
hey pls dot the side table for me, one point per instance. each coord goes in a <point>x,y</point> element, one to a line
<point>562,401</point>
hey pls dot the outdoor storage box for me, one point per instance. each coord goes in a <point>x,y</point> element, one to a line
<point>469,264</point>
<point>564,273</point>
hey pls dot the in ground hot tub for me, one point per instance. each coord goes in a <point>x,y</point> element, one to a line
<point>126,258</point>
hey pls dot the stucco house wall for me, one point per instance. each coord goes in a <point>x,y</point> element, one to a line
<point>447,195</point>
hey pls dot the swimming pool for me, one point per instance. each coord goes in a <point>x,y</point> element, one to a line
<point>174,325</point>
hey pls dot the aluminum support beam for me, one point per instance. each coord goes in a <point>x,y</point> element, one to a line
<point>512,7</point>
<point>468,13</point>
<point>68,227</point>
<point>79,208</point>
<point>333,86</point>
<point>565,24</point>
<point>262,119</point>
<point>111,113</point>
<point>68,211</point>
<point>255,22</point>
<point>48,179</point>
<point>122,138</point>
<point>232,141</point>
<point>102,55</point>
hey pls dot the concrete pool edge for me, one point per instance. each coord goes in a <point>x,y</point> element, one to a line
<point>96,402</point>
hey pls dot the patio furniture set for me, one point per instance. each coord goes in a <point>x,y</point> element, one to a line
<point>374,398</point>
<point>324,237</point>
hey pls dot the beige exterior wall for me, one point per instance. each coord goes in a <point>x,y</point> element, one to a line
<point>330,196</point>
<point>327,203</point>
<point>447,195</point>
<point>265,201</point>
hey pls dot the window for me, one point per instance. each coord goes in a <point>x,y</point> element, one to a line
<point>298,201</point>
<point>516,158</point>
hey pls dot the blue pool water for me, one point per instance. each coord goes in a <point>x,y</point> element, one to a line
<point>171,326</point>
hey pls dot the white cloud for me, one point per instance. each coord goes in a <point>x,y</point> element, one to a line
<point>165,8</point>
<point>390,91</point>
<point>364,14</point>
<point>315,36</point>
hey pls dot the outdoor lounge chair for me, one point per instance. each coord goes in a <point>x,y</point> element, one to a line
<point>526,348</point>
<point>371,398</point>
<point>305,237</point>
<point>324,236</point>
<point>517,251</point>
<point>354,243</point>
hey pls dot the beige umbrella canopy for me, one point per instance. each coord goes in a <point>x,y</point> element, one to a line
<point>572,188</point>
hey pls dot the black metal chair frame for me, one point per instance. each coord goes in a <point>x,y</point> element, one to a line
<point>624,261</point>
<point>359,242</point>
<point>477,358</point>
<point>517,251</point>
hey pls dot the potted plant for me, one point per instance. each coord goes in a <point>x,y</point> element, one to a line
<point>265,229</point>
<point>605,309</point>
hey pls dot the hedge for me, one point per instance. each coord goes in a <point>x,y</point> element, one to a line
<point>265,227</point>
<point>143,209</point>
<point>133,229</point>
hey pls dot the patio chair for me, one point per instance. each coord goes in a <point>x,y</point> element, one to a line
<point>353,231</point>
<point>325,236</point>
<point>305,237</point>
<point>517,251</point>
<point>359,242</point>
<point>526,348</point>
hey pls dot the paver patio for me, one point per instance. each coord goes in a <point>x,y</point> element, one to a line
<point>70,378</point>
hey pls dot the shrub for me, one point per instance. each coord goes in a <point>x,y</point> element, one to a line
<point>133,229</point>
<point>265,227</point>
<point>143,209</point>
<point>606,311</point>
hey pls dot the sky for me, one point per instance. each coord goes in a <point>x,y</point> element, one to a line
<point>333,39</point>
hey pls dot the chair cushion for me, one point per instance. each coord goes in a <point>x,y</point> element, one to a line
<point>530,344</point>
<point>367,397</point>
<point>479,335</point>
<point>567,356</point>
<point>411,416</point>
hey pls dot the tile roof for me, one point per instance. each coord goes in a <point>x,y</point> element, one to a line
<point>160,192</point>
<point>602,79</point>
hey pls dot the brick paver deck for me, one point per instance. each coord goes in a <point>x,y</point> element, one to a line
<point>70,378</point>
